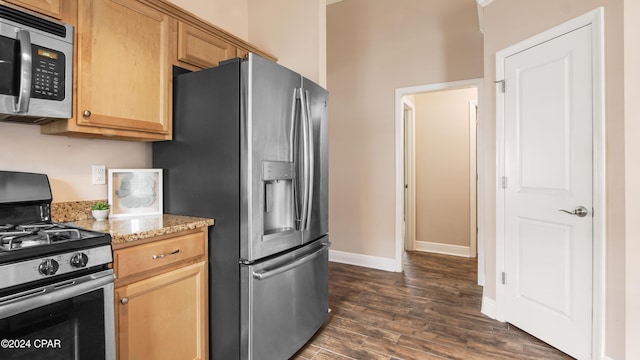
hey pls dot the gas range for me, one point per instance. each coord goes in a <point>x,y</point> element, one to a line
<point>33,249</point>
<point>48,252</point>
<point>55,279</point>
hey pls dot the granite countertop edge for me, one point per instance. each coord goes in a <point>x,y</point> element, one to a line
<point>129,229</point>
<point>125,229</point>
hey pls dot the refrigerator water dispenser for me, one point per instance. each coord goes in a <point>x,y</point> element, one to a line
<point>279,211</point>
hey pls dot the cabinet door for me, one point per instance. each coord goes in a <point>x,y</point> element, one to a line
<point>200,48</point>
<point>164,317</point>
<point>51,8</point>
<point>124,68</point>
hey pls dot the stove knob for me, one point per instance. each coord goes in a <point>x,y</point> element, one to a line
<point>79,260</point>
<point>48,267</point>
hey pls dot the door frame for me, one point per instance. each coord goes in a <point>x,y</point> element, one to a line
<point>399,160</point>
<point>595,18</point>
<point>473,184</point>
<point>410,173</point>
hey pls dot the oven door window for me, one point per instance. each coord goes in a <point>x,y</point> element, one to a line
<point>68,329</point>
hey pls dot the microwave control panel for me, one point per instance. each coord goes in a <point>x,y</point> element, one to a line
<point>48,74</point>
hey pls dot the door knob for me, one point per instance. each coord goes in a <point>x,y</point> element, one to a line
<point>580,211</point>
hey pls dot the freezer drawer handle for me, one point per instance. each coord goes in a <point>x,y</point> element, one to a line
<point>155,257</point>
<point>267,274</point>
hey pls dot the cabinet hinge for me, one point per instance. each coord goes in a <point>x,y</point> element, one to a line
<point>504,182</point>
<point>502,85</point>
<point>504,278</point>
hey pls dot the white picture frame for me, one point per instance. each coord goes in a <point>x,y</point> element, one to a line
<point>135,192</point>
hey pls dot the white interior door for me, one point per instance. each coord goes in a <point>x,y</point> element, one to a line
<point>549,168</point>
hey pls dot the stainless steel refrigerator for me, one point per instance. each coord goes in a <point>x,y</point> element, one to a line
<point>249,149</point>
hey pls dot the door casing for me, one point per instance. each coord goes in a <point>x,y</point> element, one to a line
<point>400,163</point>
<point>409,174</point>
<point>595,18</point>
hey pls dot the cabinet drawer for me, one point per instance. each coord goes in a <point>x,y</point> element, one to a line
<point>138,259</point>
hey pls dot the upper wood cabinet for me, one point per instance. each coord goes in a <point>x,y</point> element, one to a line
<point>123,72</point>
<point>201,49</point>
<point>51,8</point>
<point>124,52</point>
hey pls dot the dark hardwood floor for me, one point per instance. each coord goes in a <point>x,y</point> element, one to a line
<point>431,311</point>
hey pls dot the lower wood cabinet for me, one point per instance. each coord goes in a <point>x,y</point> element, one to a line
<point>161,312</point>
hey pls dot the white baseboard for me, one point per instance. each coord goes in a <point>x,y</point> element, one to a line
<point>374,262</point>
<point>489,307</point>
<point>446,249</point>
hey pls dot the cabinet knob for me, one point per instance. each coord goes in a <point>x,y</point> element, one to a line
<point>86,113</point>
<point>124,301</point>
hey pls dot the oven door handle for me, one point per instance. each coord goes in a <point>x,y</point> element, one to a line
<point>28,300</point>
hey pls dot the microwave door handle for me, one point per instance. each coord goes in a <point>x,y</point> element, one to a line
<point>26,60</point>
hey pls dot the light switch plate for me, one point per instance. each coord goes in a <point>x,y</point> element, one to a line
<point>98,175</point>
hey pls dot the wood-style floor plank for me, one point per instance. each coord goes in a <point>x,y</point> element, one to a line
<point>430,311</point>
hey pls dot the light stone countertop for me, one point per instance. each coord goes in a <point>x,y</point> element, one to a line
<point>128,229</point>
<point>125,230</point>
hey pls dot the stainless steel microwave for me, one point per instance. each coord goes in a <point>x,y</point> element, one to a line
<point>36,67</point>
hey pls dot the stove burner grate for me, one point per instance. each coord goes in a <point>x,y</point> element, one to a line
<point>33,235</point>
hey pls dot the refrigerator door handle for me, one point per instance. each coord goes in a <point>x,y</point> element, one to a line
<point>292,131</point>
<point>307,158</point>
<point>310,160</point>
<point>263,275</point>
<point>294,140</point>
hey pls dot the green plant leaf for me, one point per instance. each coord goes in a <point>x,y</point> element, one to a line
<point>100,205</point>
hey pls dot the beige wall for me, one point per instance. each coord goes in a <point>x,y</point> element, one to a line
<point>374,47</point>
<point>632,174</point>
<point>68,160</point>
<point>230,15</point>
<point>294,31</point>
<point>442,166</point>
<point>507,22</point>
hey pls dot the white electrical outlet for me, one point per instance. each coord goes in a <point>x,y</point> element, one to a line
<point>98,175</point>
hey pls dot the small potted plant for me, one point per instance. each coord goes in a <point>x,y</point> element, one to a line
<point>100,210</point>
